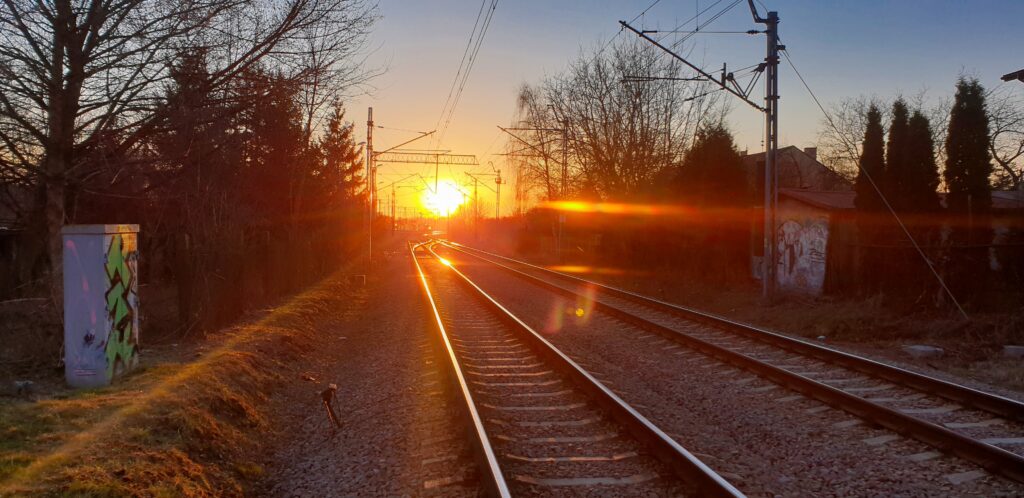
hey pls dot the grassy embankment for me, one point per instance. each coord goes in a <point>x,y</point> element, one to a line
<point>179,428</point>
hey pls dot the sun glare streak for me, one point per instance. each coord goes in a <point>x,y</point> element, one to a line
<point>592,270</point>
<point>617,208</point>
<point>445,262</point>
<point>445,200</point>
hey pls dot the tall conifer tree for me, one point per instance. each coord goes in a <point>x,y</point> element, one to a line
<point>968,163</point>
<point>917,204</point>
<point>868,201</point>
<point>896,171</point>
<point>872,164</point>
<point>922,177</point>
<point>968,168</point>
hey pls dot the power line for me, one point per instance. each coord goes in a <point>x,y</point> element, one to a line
<point>695,17</point>
<point>713,18</point>
<point>469,65</point>
<point>649,7</point>
<point>877,190</point>
<point>617,33</point>
<point>398,129</point>
<point>462,63</point>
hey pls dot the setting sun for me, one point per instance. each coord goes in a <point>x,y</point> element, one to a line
<point>445,200</point>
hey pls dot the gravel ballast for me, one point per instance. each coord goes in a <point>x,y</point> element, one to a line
<point>550,439</point>
<point>767,440</point>
<point>401,434</point>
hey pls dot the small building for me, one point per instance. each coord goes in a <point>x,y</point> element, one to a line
<point>817,237</point>
<point>816,242</point>
<point>799,170</point>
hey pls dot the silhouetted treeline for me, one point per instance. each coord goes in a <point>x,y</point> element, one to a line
<point>217,127</point>
<point>916,247</point>
<point>623,125</point>
<point>697,220</point>
<point>637,173</point>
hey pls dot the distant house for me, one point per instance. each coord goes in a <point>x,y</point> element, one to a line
<point>798,168</point>
<point>817,237</point>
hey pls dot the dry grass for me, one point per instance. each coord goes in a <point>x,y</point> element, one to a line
<point>183,429</point>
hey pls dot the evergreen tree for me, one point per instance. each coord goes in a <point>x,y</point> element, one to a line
<point>872,164</point>
<point>341,157</point>
<point>968,163</point>
<point>340,179</point>
<point>897,175</point>
<point>275,152</point>
<point>968,168</point>
<point>922,173</point>
<point>712,180</point>
<point>916,201</point>
<point>868,201</point>
<point>712,170</point>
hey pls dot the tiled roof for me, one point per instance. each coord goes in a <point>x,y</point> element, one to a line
<point>821,198</point>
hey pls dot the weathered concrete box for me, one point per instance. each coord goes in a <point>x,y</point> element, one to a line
<point>101,302</point>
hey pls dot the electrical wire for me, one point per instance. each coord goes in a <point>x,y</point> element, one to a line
<point>877,190</point>
<point>399,129</point>
<point>649,7</point>
<point>472,60</point>
<point>695,17</point>
<point>462,63</point>
<point>705,23</point>
<point>469,67</point>
<point>617,33</point>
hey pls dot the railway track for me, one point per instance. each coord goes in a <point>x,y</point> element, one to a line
<point>540,424</point>
<point>980,427</point>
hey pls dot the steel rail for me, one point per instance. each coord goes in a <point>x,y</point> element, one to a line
<point>992,403</point>
<point>989,457</point>
<point>692,470</point>
<point>492,478</point>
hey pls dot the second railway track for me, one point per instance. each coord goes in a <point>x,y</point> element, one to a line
<point>979,427</point>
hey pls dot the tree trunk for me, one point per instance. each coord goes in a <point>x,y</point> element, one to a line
<point>53,221</point>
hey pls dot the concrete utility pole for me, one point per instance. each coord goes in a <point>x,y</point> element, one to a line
<point>497,193</point>
<point>771,173</point>
<point>497,197</point>
<point>369,187</point>
<point>771,117</point>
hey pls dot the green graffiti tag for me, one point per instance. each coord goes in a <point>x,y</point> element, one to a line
<point>121,340</point>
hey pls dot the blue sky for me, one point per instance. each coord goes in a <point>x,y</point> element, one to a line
<point>843,49</point>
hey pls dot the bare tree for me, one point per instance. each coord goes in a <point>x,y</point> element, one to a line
<point>1006,133</point>
<point>839,147</point>
<point>627,115</point>
<point>75,74</point>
